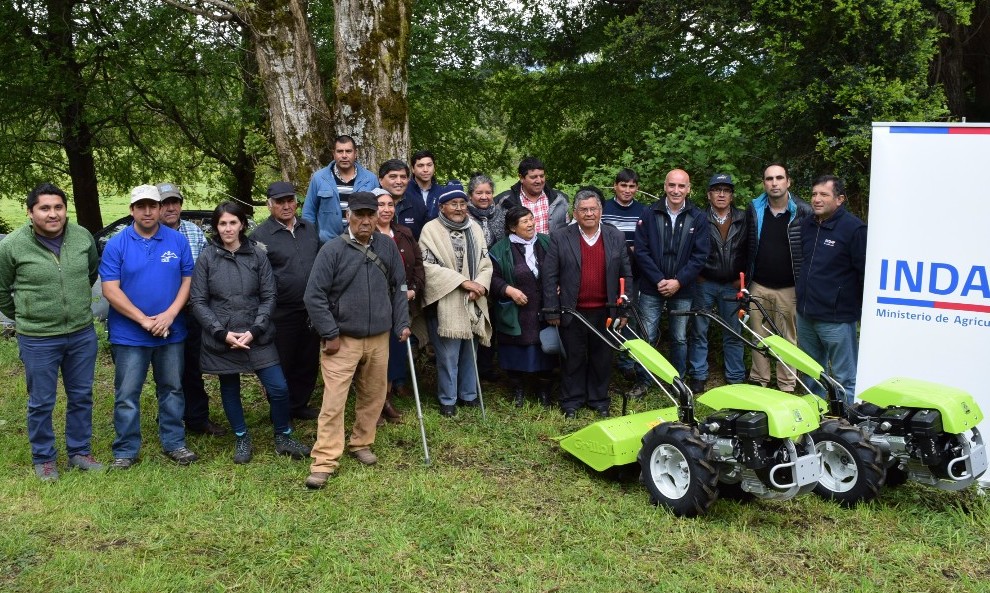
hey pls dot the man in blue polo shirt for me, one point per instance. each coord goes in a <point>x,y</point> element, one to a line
<point>147,270</point>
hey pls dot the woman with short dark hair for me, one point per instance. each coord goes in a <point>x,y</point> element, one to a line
<point>233,297</point>
<point>517,297</point>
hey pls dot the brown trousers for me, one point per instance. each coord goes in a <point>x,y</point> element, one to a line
<point>781,303</point>
<point>368,358</point>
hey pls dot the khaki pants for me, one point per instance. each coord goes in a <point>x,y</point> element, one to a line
<point>781,303</point>
<point>369,357</point>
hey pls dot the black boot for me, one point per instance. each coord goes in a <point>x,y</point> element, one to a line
<point>544,395</point>
<point>518,396</point>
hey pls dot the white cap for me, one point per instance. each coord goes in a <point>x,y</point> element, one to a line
<point>145,192</point>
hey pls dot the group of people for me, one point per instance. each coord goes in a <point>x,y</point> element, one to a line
<point>375,263</point>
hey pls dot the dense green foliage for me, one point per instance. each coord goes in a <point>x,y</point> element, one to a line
<point>152,92</point>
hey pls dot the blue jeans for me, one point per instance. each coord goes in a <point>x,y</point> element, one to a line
<point>75,355</point>
<point>131,371</point>
<point>835,347</point>
<point>709,295</point>
<point>456,376</point>
<point>277,390</point>
<point>650,307</point>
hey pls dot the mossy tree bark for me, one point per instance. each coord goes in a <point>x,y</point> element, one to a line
<point>371,86</point>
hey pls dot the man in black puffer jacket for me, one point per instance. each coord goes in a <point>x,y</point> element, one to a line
<point>774,220</point>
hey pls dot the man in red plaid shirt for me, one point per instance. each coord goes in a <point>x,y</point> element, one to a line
<point>548,205</point>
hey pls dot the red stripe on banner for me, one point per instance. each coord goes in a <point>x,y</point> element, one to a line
<point>969,130</point>
<point>962,307</point>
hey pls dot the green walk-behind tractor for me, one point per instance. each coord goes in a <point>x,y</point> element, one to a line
<point>903,429</point>
<point>755,443</point>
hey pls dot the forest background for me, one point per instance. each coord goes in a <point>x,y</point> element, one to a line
<point>99,96</point>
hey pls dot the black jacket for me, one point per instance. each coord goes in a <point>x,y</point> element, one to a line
<point>830,287</point>
<point>726,259</point>
<point>562,268</point>
<point>291,255</point>
<point>692,251</point>
<point>799,210</point>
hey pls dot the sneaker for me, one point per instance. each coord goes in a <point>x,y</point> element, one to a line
<point>242,449</point>
<point>365,456</point>
<point>448,411</point>
<point>317,480</point>
<point>86,463</point>
<point>46,472</point>
<point>696,385</point>
<point>182,456</point>
<point>123,463</point>
<point>286,445</point>
<point>638,390</point>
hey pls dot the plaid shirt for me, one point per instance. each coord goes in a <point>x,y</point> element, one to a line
<point>195,236</point>
<point>540,208</point>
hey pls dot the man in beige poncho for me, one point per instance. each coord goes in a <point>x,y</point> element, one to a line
<point>458,274</point>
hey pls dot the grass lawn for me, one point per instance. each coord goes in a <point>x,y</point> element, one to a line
<point>502,508</point>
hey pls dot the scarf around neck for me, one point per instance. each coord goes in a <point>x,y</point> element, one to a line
<point>463,227</point>
<point>530,251</point>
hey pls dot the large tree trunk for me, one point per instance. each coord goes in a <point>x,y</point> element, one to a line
<point>371,89</point>
<point>69,104</point>
<point>302,124</point>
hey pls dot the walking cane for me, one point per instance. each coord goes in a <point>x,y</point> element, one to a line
<point>419,408</point>
<point>477,378</point>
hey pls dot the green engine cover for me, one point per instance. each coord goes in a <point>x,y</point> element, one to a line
<point>958,408</point>
<point>615,441</point>
<point>787,415</point>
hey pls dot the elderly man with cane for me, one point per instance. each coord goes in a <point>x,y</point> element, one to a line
<point>344,298</point>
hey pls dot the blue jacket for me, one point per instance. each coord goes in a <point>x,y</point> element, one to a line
<point>410,212</point>
<point>431,207</point>
<point>692,250</point>
<point>322,205</point>
<point>830,286</point>
<point>798,209</point>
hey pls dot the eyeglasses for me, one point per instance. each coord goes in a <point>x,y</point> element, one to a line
<point>590,210</point>
<point>457,204</point>
<point>720,190</point>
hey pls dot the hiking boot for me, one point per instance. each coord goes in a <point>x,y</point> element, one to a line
<point>242,449</point>
<point>546,400</point>
<point>365,456</point>
<point>306,413</point>
<point>448,411</point>
<point>469,403</point>
<point>696,385</point>
<point>182,456</point>
<point>317,480</point>
<point>123,463</point>
<point>86,463</point>
<point>389,411</point>
<point>208,428</point>
<point>286,445</point>
<point>518,397</point>
<point>46,472</point>
<point>638,390</point>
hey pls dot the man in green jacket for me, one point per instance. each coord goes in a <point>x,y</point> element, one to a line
<point>47,270</point>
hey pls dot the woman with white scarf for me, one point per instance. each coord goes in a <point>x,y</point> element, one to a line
<point>517,295</point>
<point>458,274</point>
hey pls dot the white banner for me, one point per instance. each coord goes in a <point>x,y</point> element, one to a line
<point>926,303</point>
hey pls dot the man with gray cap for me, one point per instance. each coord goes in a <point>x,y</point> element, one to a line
<point>718,283</point>
<point>346,301</point>
<point>197,414</point>
<point>291,245</point>
<point>147,271</point>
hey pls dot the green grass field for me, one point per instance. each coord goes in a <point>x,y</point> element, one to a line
<point>502,508</point>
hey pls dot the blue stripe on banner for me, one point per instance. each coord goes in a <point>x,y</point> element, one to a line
<point>906,302</point>
<point>917,130</point>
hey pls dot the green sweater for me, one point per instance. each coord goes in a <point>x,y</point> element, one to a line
<point>47,295</point>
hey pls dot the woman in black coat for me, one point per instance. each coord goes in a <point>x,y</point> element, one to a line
<point>232,297</point>
<point>517,297</point>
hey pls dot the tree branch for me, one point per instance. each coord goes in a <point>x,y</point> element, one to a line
<point>228,12</point>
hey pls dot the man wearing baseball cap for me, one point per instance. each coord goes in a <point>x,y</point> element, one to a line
<point>197,414</point>
<point>347,304</point>
<point>147,270</point>
<point>291,244</point>
<point>718,282</point>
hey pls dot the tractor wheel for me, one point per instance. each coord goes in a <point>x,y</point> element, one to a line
<point>678,469</point>
<point>852,467</point>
